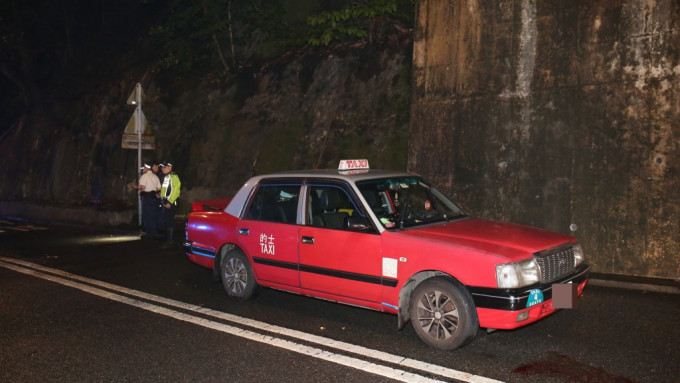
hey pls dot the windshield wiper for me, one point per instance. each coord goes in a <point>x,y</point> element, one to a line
<point>455,217</point>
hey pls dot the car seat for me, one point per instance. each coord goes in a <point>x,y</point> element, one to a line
<point>330,201</point>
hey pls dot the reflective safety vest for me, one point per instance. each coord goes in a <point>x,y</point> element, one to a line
<point>171,188</point>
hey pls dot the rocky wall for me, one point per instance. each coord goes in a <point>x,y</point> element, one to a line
<point>558,114</point>
<point>307,110</point>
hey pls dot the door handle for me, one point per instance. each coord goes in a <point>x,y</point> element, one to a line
<point>243,231</point>
<point>308,240</point>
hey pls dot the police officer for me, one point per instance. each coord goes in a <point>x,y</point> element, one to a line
<point>148,189</point>
<point>159,172</point>
<point>161,225</point>
<point>156,170</point>
<point>170,192</point>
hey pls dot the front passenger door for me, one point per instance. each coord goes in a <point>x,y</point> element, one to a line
<point>333,259</point>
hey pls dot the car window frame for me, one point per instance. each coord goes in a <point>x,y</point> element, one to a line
<point>430,189</point>
<point>348,189</point>
<point>273,182</point>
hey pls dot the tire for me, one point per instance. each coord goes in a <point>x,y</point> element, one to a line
<point>442,314</point>
<point>237,275</point>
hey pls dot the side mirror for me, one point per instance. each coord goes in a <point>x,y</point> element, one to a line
<point>357,223</point>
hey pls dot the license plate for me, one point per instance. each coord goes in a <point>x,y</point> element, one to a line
<point>564,295</point>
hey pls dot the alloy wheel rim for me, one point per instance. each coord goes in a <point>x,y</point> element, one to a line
<point>437,315</point>
<point>236,276</point>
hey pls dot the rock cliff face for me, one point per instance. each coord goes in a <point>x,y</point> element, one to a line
<point>557,114</point>
<point>307,110</point>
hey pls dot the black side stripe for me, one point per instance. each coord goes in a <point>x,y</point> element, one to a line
<point>329,272</point>
<point>190,249</point>
<point>270,262</point>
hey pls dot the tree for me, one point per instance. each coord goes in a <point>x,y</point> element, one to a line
<point>239,33</point>
<point>208,31</point>
<point>357,20</point>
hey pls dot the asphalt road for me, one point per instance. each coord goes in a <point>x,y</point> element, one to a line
<point>87,304</point>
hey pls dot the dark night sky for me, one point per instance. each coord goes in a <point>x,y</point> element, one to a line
<point>47,44</point>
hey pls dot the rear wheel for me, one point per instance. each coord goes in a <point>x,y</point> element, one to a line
<point>237,275</point>
<point>442,314</point>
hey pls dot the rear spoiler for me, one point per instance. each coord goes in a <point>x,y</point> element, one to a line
<point>210,205</point>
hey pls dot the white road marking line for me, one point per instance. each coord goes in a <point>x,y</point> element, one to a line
<point>32,227</point>
<point>9,226</point>
<point>16,228</point>
<point>326,342</point>
<point>347,361</point>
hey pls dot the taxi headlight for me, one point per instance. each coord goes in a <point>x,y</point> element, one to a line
<point>578,255</point>
<point>517,274</point>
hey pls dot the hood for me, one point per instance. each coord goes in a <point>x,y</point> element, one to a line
<point>504,239</point>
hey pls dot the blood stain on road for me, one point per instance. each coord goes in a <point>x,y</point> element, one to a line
<point>569,369</point>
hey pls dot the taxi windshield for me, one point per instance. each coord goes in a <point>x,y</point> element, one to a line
<point>403,202</point>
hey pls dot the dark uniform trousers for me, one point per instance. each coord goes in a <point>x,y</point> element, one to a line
<point>150,213</point>
<point>168,220</point>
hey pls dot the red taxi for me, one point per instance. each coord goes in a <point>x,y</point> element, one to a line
<point>387,241</point>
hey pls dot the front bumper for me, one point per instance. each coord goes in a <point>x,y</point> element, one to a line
<point>509,308</point>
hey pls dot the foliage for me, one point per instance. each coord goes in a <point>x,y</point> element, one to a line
<point>239,33</point>
<point>194,33</point>
<point>47,44</point>
<point>354,20</point>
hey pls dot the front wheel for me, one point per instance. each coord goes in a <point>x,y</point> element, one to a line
<point>442,314</point>
<point>237,275</point>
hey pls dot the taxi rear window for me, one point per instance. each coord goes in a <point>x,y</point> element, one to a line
<point>274,203</point>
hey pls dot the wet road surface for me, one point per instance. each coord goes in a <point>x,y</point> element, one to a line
<point>88,304</point>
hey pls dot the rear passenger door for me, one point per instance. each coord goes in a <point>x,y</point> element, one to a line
<point>268,232</point>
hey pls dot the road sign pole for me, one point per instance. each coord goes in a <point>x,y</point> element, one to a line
<point>135,127</point>
<point>138,125</point>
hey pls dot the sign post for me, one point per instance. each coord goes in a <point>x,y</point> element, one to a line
<point>134,129</point>
<point>138,126</point>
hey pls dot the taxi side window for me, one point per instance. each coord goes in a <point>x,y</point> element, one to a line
<point>274,203</point>
<point>328,207</point>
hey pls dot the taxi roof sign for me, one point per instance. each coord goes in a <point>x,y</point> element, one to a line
<point>353,165</point>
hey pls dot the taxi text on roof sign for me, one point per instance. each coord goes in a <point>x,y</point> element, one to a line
<point>353,164</point>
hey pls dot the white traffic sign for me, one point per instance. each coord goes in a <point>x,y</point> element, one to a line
<point>137,121</point>
<point>137,96</point>
<point>131,141</point>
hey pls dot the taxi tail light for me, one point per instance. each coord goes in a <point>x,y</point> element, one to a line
<point>212,205</point>
<point>196,206</point>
